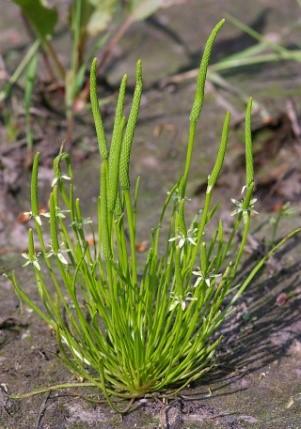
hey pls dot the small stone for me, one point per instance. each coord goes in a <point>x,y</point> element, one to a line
<point>295,348</point>
<point>282,298</point>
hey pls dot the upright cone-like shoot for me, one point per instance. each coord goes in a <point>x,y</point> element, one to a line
<point>100,132</point>
<point>115,149</point>
<point>249,155</point>
<point>198,102</point>
<point>130,130</point>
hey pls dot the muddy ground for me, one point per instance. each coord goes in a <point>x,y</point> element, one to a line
<point>257,379</point>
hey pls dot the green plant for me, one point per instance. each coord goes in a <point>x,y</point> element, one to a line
<point>93,25</point>
<point>126,329</point>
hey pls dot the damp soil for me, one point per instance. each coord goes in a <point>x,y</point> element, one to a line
<point>256,382</point>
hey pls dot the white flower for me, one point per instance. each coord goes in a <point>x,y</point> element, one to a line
<point>60,214</point>
<point>202,277</point>
<point>177,197</point>
<point>239,207</point>
<point>81,223</point>
<point>183,301</point>
<point>59,179</point>
<point>58,254</point>
<point>31,261</point>
<point>182,239</point>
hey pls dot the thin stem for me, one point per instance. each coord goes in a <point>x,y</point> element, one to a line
<point>50,389</point>
<point>132,234</point>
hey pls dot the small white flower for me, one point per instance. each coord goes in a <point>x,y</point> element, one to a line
<point>62,258</point>
<point>61,213</point>
<point>58,213</point>
<point>59,179</point>
<point>177,197</point>
<point>81,223</point>
<point>239,207</point>
<point>59,255</point>
<point>202,277</point>
<point>31,261</point>
<point>182,239</point>
<point>182,301</point>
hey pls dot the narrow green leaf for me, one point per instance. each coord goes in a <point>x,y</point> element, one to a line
<point>248,144</point>
<point>115,149</point>
<point>104,224</point>
<point>34,186</point>
<point>204,260</point>
<point>101,137</point>
<point>31,249</point>
<point>53,222</point>
<point>130,130</point>
<point>214,175</point>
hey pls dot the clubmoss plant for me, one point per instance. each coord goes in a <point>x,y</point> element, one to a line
<point>127,330</point>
